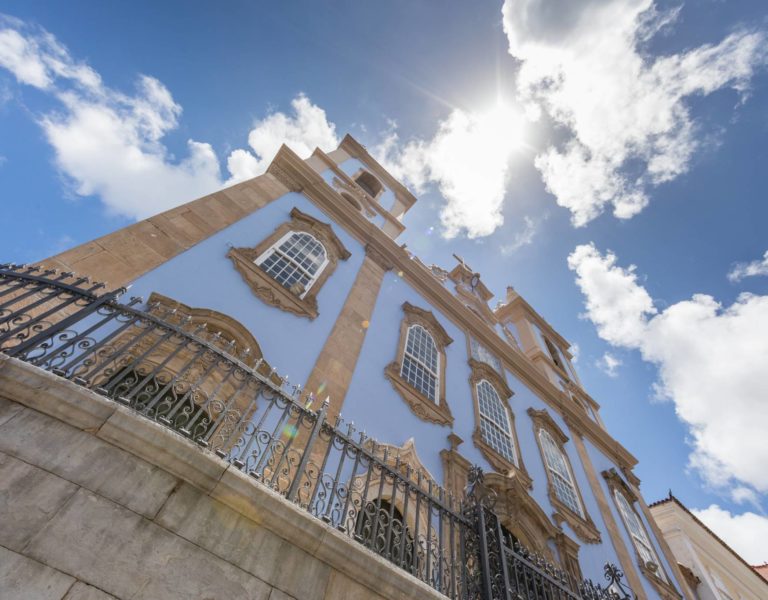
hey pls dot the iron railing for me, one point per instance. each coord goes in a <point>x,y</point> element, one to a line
<point>170,369</point>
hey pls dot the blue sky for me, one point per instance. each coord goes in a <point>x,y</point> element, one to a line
<point>553,147</point>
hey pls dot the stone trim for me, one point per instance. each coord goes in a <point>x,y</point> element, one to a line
<point>423,407</point>
<point>283,175</point>
<point>584,527</point>
<point>270,291</point>
<point>455,467</point>
<point>124,255</point>
<point>617,484</point>
<point>335,365</point>
<point>481,371</point>
<point>343,183</point>
<point>568,550</point>
<point>215,321</point>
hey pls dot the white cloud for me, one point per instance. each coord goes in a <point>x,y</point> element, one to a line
<point>711,362</point>
<point>308,128</point>
<point>745,495</point>
<point>630,127</point>
<point>467,160</point>
<point>110,144</point>
<point>745,533</point>
<point>575,351</point>
<point>609,364</point>
<point>750,269</point>
<point>521,238</point>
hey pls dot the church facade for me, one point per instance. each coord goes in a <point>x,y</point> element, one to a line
<point>300,273</point>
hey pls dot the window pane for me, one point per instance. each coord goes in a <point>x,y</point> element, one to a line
<point>565,489</point>
<point>494,421</point>
<point>637,531</point>
<point>421,362</point>
<point>297,260</point>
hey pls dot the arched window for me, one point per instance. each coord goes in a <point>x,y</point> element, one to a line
<point>418,372</point>
<point>560,473</point>
<point>494,421</point>
<point>636,531</point>
<point>295,261</point>
<point>421,362</point>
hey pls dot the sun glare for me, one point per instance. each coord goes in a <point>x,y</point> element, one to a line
<point>501,128</point>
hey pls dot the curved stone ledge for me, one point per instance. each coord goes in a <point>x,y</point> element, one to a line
<point>101,499</point>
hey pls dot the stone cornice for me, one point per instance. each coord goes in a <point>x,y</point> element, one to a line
<point>316,189</point>
<point>519,304</point>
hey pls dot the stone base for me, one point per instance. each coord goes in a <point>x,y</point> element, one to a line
<point>98,503</point>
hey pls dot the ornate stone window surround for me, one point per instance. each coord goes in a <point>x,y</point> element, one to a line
<point>484,372</point>
<point>581,524</point>
<point>433,411</point>
<point>270,291</point>
<point>655,573</point>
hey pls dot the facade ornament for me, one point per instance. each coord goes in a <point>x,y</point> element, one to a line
<point>376,256</point>
<point>284,176</point>
<point>357,193</point>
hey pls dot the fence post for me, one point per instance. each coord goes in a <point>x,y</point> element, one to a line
<point>485,563</point>
<point>305,457</point>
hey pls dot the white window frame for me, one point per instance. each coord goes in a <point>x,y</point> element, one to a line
<point>427,368</point>
<point>642,542</point>
<point>275,248</point>
<point>556,475</point>
<point>505,430</point>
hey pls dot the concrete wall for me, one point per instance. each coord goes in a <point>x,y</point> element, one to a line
<point>98,503</point>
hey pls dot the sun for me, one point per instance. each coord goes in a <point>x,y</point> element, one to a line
<point>501,128</point>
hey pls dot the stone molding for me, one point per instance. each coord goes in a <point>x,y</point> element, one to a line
<point>434,412</point>
<point>455,467</point>
<point>583,526</point>
<point>358,194</point>
<point>352,569</point>
<point>317,190</point>
<point>270,291</point>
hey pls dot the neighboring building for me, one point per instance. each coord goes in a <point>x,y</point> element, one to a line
<point>762,570</point>
<point>299,273</point>
<point>713,569</point>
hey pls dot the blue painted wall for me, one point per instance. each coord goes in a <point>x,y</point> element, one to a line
<point>203,277</point>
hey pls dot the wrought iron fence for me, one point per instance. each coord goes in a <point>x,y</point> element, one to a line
<point>200,384</point>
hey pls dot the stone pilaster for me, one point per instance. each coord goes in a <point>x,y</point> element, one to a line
<point>625,558</point>
<point>122,256</point>
<point>336,363</point>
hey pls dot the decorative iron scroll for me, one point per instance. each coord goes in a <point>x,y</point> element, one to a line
<point>189,379</point>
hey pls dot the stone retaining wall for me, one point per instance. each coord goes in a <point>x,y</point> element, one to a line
<point>99,503</point>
